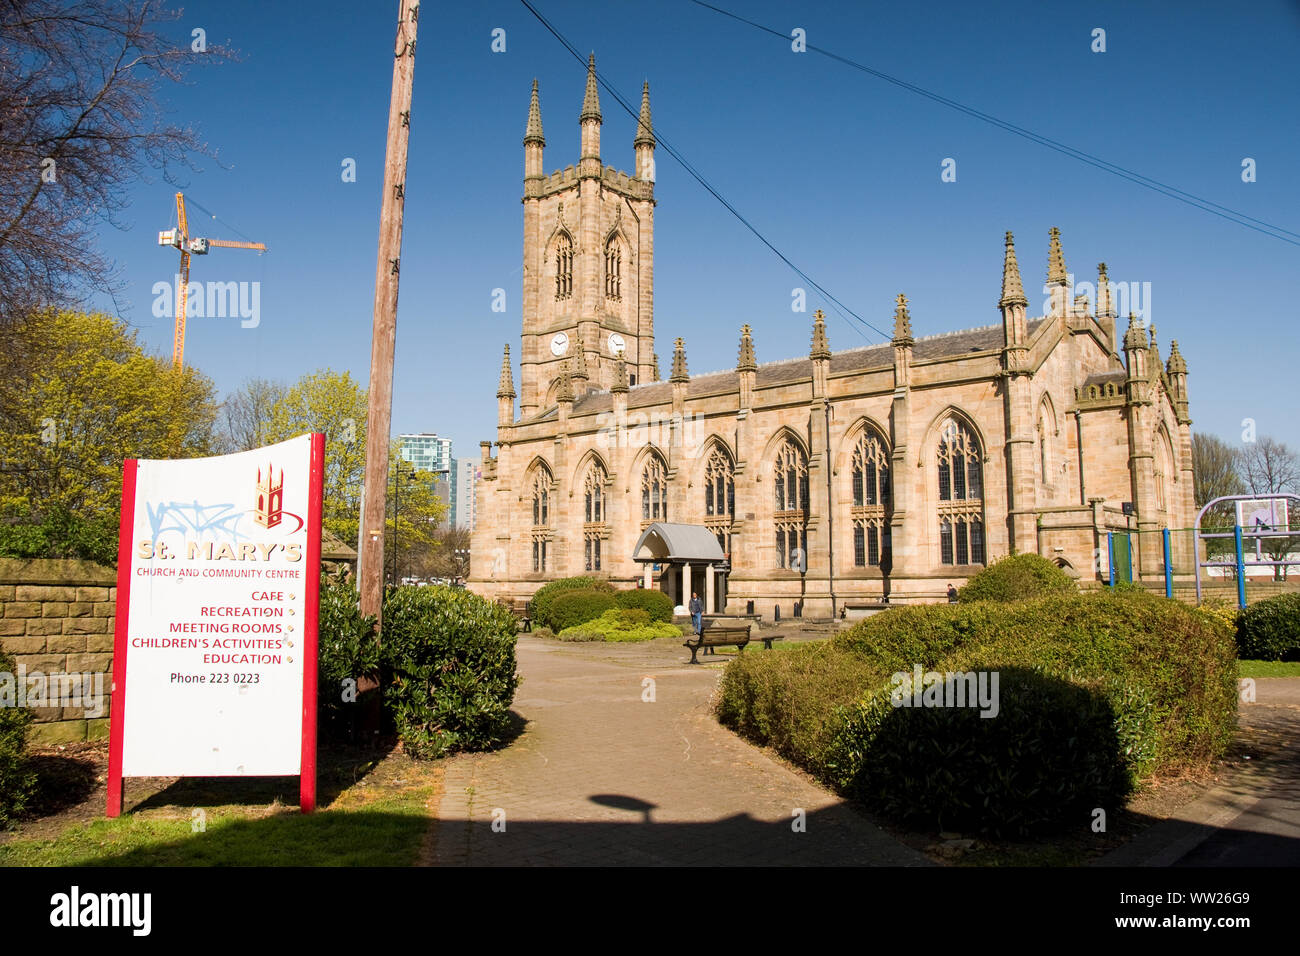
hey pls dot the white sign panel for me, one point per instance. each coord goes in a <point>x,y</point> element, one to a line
<point>215,638</point>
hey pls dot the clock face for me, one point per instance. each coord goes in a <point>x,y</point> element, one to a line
<point>616,343</point>
<point>559,344</point>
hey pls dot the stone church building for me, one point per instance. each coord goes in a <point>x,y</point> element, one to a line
<point>827,481</point>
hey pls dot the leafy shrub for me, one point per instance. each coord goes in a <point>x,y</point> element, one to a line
<point>1269,630</point>
<point>547,593</point>
<point>579,607</point>
<point>61,533</point>
<point>1016,578</point>
<point>451,656</point>
<point>620,624</point>
<point>656,603</point>
<point>17,780</point>
<point>347,651</point>
<point>1222,610</point>
<point>1105,688</point>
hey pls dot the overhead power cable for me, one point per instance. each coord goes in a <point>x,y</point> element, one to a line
<point>1198,202</point>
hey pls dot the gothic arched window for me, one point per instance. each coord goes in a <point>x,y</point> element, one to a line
<point>593,515</point>
<point>961,495</point>
<point>654,490</point>
<point>790,482</point>
<point>541,533</point>
<point>564,268</point>
<point>594,495</point>
<point>871,500</point>
<point>720,496</point>
<point>1164,469</point>
<point>613,270</point>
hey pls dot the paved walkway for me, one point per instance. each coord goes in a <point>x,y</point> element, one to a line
<point>601,776</point>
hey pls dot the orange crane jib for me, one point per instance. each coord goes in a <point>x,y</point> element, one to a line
<point>179,238</point>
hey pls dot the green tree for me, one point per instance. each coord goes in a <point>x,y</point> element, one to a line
<point>79,395</point>
<point>332,403</point>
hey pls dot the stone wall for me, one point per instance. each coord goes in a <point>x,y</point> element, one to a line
<point>56,618</point>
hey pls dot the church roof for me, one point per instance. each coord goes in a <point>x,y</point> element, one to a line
<point>1102,378</point>
<point>677,542</point>
<point>868,358</point>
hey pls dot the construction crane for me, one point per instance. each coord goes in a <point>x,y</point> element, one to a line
<point>179,238</point>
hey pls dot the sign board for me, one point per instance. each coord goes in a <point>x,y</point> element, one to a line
<point>1262,514</point>
<point>214,660</point>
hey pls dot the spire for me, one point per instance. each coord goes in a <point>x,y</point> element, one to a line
<point>565,393</point>
<point>903,320</point>
<point>644,129</point>
<point>1177,364</point>
<point>533,134</point>
<point>746,362</point>
<point>1105,305</point>
<point>820,347</point>
<point>1055,259</point>
<point>679,362</point>
<point>620,375</point>
<point>1013,293</point>
<point>591,102</point>
<point>1136,336</point>
<point>654,367</point>
<point>506,387</point>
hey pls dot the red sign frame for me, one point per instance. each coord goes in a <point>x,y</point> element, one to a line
<point>310,638</point>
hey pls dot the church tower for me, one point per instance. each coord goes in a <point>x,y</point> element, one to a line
<point>588,271</point>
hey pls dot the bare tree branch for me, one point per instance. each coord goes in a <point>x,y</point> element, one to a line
<point>80,120</point>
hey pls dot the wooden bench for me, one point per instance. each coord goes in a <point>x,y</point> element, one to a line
<point>724,635</point>
<point>523,612</point>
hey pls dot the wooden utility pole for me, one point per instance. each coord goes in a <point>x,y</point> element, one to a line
<point>384,336</point>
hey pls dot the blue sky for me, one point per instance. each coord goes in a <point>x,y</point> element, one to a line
<point>840,170</point>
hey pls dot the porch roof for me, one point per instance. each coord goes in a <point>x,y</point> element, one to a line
<point>663,541</point>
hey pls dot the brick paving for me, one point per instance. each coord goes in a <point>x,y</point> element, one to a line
<point>600,776</point>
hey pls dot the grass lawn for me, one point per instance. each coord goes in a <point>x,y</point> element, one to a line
<point>378,819</point>
<point>1268,668</point>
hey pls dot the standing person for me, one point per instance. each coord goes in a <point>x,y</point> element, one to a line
<point>952,594</point>
<point>697,613</point>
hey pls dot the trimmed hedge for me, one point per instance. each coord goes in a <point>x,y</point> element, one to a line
<point>17,780</point>
<point>620,624</point>
<point>1050,755</point>
<point>1097,691</point>
<point>547,593</point>
<point>60,533</point>
<point>1269,630</point>
<point>1016,578</point>
<point>657,604</point>
<point>451,656</point>
<point>578,607</point>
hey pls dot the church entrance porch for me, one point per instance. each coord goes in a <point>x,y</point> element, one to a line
<point>681,559</point>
